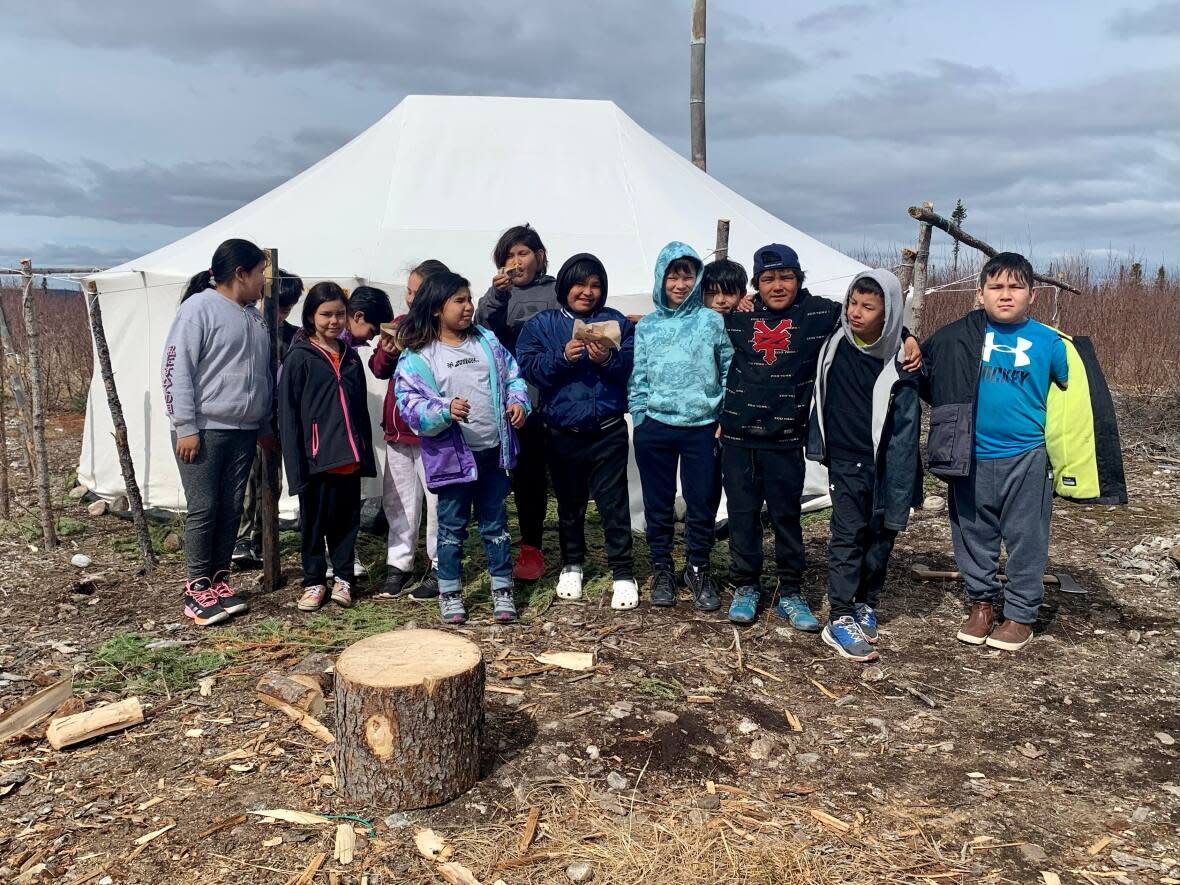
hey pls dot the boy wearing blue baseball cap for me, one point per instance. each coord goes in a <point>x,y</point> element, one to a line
<point>764,419</point>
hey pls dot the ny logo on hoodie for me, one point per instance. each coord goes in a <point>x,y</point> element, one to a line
<point>770,340</point>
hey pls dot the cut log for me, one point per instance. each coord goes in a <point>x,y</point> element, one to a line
<point>409,718</point>
<point>304,720</point>
<point>40,706</point>
<point>305,696</point>
<point>80,727</point>
<point>316,665</point>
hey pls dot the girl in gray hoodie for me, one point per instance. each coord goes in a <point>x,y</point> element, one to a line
<point>218,393</point>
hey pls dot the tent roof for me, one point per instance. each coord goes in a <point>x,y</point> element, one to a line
<point>443,176</point>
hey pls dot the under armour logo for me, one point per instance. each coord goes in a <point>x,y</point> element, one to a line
<point>769,340</point>
<point>1020,351</point>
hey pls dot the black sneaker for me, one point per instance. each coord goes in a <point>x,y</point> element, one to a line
<point>395,584</point>
<point>428,589</point>
<point>201,603</point>
<point>663,589</point>
<point>246,555</point>
<point>703,588</point>
<point>227,595</point>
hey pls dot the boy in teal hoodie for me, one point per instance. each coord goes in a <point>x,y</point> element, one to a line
<point>682,355</point>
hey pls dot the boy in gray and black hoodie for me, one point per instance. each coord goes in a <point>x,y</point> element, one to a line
<point>865,427</point>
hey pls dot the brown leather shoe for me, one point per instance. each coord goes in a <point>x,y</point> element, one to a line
<point>1011,636</point>
<point>978,624</point>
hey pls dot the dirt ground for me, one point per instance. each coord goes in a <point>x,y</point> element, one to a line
<point>691,753</point>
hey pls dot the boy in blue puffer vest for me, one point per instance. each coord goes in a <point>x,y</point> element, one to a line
<point>579,358</point>
<point>682,355</point>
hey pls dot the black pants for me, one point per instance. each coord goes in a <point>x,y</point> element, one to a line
<point>659,448</point>
<point>530,484</point>
<point>859,548</point>
<point>585,464</point>
<point>774,477</point>
<point>329,510</point>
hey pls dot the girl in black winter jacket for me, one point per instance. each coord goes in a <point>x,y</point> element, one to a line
<point>327,443</point>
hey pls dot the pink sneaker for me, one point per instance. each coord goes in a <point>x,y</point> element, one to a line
<point>201,604</point>
<point>313,598</point>
<point>342,593</point>
<point>229,599</point>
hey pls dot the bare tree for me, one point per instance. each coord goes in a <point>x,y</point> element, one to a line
<point>33,343</point>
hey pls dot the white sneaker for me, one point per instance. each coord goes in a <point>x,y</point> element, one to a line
<point>625,595</point>
<point>358,570</point>
<point>569,583</point>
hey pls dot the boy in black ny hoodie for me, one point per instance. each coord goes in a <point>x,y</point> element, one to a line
<point>764,428</point>
<point>865,425</point>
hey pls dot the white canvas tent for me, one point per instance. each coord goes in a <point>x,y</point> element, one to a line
<point>436,177</point>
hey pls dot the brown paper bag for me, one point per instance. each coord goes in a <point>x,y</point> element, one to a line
<point>606,332</point>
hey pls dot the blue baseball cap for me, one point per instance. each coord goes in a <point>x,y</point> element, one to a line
<point>774,257</point>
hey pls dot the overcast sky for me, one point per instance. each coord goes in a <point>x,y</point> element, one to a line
<point>129,124</point>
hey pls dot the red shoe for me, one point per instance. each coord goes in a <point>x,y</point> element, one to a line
<point>530,563</point>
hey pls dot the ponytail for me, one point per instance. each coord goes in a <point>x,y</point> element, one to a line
<point>230,257</point>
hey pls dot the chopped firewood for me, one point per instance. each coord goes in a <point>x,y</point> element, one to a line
<point>823,688</point>
<point>69,707</point>
<point>726,788</point>
<point>528,860</point>
<point>530,830</point>
<point>310,871</point>
<point>300,695</point>
<point>832,823</point>
<point>150,803</point>
<point>568,660</point>
<point>318,666</point>
<point>40,706</point>
<point>457,874</point>
<point>1050,877</point>
<point>793,721</point>
<point>1099,843</point>
<point>503,689</point>
<point>432,846</point>
<point>70,730</point>
<point>762,672</point>
<point>345,843</point>
<point>291,816</point>
<point>206,685</point>
<point>304,720</point>
<point>145,839</point>
<point>700,699</point>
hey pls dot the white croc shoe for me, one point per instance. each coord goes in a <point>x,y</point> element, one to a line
<point>625,595</point>
<point>569,582</point>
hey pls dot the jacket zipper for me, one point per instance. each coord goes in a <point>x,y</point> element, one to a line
<point>343,400</point>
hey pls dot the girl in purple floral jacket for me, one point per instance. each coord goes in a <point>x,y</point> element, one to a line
<point>460,390</point>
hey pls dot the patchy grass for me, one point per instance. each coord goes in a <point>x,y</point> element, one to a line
<point>330,629</point>
<point>125,665</point>
<point>659,688</point>
<point>127,544</point>
<point>66,527</point>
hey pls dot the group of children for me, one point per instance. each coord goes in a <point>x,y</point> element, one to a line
<point>728,389</point>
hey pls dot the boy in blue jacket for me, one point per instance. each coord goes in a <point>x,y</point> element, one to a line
<point>581,372</point>
<point>682,355</point>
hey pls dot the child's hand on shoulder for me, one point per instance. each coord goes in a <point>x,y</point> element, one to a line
<point>516,415</point>
<point>574,350</point>
<point>913,355</point>
<point>746,305</point>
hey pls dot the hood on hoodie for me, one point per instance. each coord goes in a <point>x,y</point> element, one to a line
<point>887,345</point>
<point>668,254</point>
<point>565,282</point>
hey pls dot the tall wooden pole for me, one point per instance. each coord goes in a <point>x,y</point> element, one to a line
<point>721,251</point>
<point>272,571</point>
<point>5,511</point>
<point>11,366</point>
<point>696,86</point>
<point>122,447</point>
<point>921,273</point>
<point>905,270</point>
<point>33,344</point>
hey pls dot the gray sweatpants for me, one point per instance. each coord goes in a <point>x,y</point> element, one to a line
<point>1008,501</point>
<point>213,487</point>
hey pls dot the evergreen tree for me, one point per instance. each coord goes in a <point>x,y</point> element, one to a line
<point>957,217</point>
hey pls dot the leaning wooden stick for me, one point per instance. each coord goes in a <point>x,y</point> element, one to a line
<point>928,216</point>
<point>122,447</point>
<point>272,568</point>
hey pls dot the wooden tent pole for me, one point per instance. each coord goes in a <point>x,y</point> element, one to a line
<point>696,84</point>
<point>921,272</point>
<point>122,447</point>
<point>722,251</point>
<point>5,510</point>
<point>272,569</point>
<point>16,384</point>
<point>33,345</point>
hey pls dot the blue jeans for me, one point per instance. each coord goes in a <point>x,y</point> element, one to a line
<point>488,493</point>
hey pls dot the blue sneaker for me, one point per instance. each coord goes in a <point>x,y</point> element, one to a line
<point>844,635</point>
<point>744,608</point>
<point>866,618</point>
<point>794,608</point>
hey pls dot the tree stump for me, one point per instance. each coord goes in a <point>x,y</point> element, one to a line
<point>409,718</point>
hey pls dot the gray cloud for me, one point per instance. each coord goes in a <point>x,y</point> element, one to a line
<point>834,16</point>
<point>1161,20</point>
